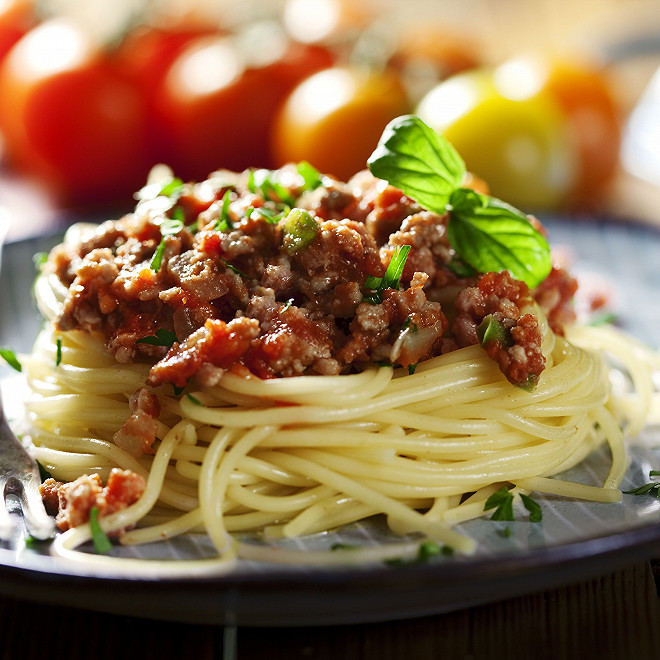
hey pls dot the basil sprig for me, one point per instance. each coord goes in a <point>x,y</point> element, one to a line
<point>485,232</point>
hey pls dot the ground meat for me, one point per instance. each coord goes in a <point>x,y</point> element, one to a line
<point>430,251</point>
<point>78,497</point>
<point>239,288</point>
<point>555,298</point>
<point>402,330</point>
<point>138,433</point>
<point>500,298</point>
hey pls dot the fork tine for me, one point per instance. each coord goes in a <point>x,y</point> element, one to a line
<point>19,474</point>
<point>7,525</point>
<point>39,524</point>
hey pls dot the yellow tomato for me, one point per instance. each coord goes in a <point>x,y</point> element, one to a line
<point>509,134</point>
<point>334,119</point>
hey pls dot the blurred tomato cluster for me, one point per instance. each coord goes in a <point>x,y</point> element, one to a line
<point>90,117</point>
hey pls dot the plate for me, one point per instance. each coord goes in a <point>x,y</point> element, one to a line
<point>575,540</point>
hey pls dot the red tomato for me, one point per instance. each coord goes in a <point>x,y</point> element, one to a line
<point>16,18</point>
<point>147,52</point>
<point>70,118</point>
<point>335,118</point>
<point>217,103</point>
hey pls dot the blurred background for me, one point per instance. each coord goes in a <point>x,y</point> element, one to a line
<point>553,103</point>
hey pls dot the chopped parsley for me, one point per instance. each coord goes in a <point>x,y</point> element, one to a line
<point>162,337</point>
<point>101,542</point>
<point>535,513</point>
<point>58,351</point>
<point>194,399</point>
<point>168,227</point>
<point>238,271</point>
<point>426,551</point>
<point>10,358</point>
<point>311,176</point>
<point>490,329</point>
<point>39,260</point>
<point>298,231</point>
<point>391,278</point>
<point>502,502</point>
<point>224,221</point>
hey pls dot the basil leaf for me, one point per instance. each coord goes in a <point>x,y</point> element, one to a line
<point>10,358</point>
<point>161,337</point>
<point>102,543</point>
<point>493,236</point>
<point>413,157</point>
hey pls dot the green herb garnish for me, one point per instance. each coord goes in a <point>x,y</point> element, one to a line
<point>168,227</point>
<point>58,351</point>
<point>311,176</point>
<point>535,513</point>
<point>490,329</point>
<point>391,278</point>
<point>194,399</point>
<point>652,488</point>
<point>225,222</point>
<point>336,547</point>
<point>238,271</point>
<point>502,502</point>
<point>299,230</point>
<point>39,260</point>
<point>425,552</point>
<point>486,233</point>
<point>161,337</point>
<point>102,543</point>
<point>10,358</point>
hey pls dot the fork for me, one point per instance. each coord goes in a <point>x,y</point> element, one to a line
<point>19,475</point>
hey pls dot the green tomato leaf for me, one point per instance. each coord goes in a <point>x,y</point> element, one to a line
<point>492,236</point>
<point>413,157</point>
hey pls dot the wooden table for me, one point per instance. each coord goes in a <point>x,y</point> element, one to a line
<point>615,616</point>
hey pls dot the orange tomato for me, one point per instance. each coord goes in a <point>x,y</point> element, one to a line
<point>334,119</point>
<point>216,104</point>
<point>589,104</point>
<point>70,118</point>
